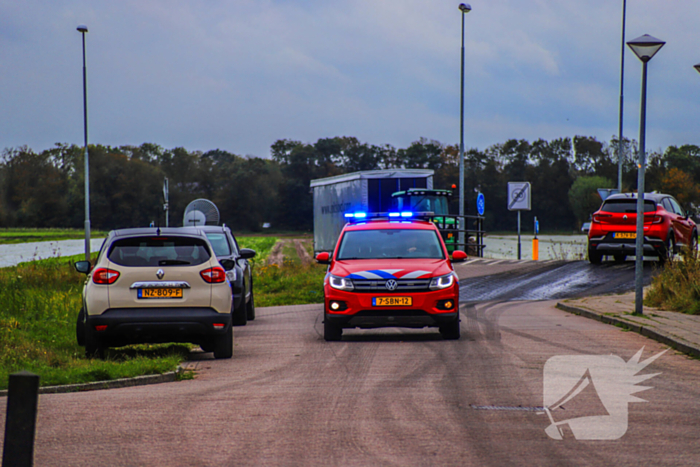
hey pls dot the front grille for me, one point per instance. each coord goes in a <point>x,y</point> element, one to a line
<point>403,285</point>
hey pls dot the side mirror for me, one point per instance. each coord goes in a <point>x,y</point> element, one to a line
<point>323,258</point>
<point>83,266</point>
<point>458,256</point>
<point>247,253</point>
<point>228,264</point>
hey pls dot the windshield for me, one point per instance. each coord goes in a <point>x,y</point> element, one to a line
<point>390,243</point>
<point>425,203</point>
<point>159,251</point>
<point>626,206</point>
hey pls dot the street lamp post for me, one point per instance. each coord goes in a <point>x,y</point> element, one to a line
<point>644,47</point>
<point>620,145</point>
<point>464,8</point>
<point>83,29</point>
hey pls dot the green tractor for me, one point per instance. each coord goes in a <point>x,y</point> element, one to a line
<point>436,201</point>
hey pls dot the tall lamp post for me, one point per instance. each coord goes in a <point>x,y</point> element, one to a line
<point>620,145</point>
<point>464,8</point>
<point>83,29</point>
<point>644,47</point>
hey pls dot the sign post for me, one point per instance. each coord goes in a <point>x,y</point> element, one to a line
<point>519,196</point>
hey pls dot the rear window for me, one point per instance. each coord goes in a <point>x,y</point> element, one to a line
<point>627,206</point>
<point>390,243</point>
<point>159,251</point>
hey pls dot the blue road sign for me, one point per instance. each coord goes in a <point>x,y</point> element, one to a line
<point>480,204</point>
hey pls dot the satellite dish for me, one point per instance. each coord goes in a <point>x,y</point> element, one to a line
<point>201,212</point>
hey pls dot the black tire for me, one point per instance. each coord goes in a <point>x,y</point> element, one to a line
<point>450,331</point>
<point>239,316</point>
<point>669,253</point>
<point>594,257</point>
<point>331,331</point>
<point>250,308</point>
<point>620,257</point>
<point>93,348</point>
<point>80,328</point>
<point>694,241</point>
<point>223,345</point>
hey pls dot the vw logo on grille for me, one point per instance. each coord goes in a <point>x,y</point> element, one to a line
<point>391,284</point>
<point>160,273</point>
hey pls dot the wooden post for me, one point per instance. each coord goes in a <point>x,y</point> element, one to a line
<point>20,422</point>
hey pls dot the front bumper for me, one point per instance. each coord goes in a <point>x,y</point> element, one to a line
<point>359,312</point>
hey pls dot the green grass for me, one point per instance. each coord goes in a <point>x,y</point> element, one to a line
<point>261,245</point>
<point>677,287</point>
<point>39,302</point>
<point>291,284</point>
<point>12,236</point>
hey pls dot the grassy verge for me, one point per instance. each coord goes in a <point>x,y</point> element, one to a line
<point>677,287</point>
<point>291,284</point>
<point>39,302</point>
<point>12,236</point>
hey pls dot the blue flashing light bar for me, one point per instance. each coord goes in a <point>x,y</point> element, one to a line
<point>405,215</point>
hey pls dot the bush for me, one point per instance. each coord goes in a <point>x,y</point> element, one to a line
<point>677,287</point>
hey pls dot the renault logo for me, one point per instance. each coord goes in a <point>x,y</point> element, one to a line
<point>625,216</point>
<point>391,284</point>
<point>160,273</point>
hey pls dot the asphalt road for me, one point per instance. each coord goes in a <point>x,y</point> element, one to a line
<point>381,397</point>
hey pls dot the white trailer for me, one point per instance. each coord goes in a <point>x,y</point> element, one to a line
<point>368,191</point>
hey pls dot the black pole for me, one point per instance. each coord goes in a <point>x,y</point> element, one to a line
<point>639,245</point>
<point>20,422</point>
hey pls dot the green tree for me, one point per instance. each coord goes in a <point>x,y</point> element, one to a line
<point>584,197</point>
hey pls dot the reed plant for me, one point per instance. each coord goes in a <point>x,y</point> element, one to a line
<point>677,286</point>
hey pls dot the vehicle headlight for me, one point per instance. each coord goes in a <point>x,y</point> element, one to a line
<point>340,283</point>
<point>442,282</point>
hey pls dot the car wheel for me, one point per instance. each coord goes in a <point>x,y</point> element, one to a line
<point>80,328</point>
<point>594,257</point>
<point>694,241</point>
<point>450,331</point>
<point>250,308</point>
<point>93,348</point>
<point>223,345</point>
<point>620,258</point>
<point>239,317</point>
<point>331,331</point>
<point>670,251</point>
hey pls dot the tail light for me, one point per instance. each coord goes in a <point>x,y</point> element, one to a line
<point>598,218</point>
<point>213,275</point>
<point>104,276</point>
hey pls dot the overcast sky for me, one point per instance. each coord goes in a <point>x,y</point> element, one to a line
<point>240,74</point>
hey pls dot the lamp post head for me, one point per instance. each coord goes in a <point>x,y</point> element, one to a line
<point>465,7</point>
<point>697,67</point>
<point>82,28</point>
<point>645,47</point>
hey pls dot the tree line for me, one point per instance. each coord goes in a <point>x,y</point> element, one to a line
<point>46,189</point>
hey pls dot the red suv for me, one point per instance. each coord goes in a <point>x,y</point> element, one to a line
<point>667,228</point>
<point>390,271</point>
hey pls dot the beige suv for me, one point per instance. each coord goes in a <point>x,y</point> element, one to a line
<point>156,285</point>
